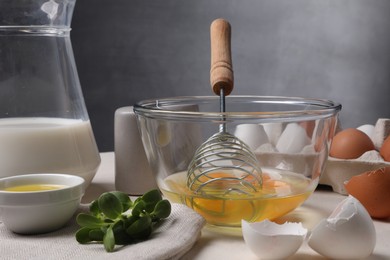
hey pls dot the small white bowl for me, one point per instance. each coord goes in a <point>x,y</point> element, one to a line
<point>31,212</point>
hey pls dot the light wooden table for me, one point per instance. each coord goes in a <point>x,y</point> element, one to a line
<point>212,245</point>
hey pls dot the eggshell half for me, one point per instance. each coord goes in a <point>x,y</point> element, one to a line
<point>348,233</point>
<point>372,189</point>
<point>268,240</point>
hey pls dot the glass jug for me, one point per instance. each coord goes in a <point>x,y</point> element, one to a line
<point>44,124</point>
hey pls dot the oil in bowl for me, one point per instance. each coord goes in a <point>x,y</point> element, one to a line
<point>35,187</point>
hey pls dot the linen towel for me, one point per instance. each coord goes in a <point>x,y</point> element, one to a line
<point>170,240</point>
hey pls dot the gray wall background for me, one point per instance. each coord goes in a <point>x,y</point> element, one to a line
<point>129,50</point>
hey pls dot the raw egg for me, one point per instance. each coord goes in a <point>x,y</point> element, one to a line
<point>350,143</point>
<point>372,189</point>
<point>385,149</point>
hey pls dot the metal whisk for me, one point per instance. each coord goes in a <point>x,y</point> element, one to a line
<point>224,164</point>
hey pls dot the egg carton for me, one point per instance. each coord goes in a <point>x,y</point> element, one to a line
<point>339,171</point>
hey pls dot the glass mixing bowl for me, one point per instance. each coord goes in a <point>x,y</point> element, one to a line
<point>289,137</point>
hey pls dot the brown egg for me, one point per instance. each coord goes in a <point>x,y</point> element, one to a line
<point>372,189</point>
<point>350,143</point>
<point>385,149</point>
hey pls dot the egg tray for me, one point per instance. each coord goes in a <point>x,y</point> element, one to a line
<point>338,171</point>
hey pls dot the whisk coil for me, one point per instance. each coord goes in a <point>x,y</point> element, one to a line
<point>223,165</point>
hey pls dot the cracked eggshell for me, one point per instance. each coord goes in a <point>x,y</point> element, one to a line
<point>372,189</point>
<point>268,240</point>
<point>348,233</point>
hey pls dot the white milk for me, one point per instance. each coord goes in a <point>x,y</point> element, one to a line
<point>48,145</point>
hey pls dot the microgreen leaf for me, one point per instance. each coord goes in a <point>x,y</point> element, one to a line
<point>86,220</point>
<point>121,237</point>
<point>107,222</point>
<point>110,205</point>
<point>141,228</point>
<point>137,200</point>
<point>96,235</point>
<point>82,235</point>
<point>109,240</point>
<point>151,198</point>
<point>94,208</point>
<point>130,220</point>
<point>138,208</point>
<point>124,199</point>
<point>162,209</point>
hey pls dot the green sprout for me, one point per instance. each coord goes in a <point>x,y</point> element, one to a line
<point>114,219</point>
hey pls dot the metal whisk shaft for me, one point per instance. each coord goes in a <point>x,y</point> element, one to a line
<point>223,165</point>
<point>222,109</point>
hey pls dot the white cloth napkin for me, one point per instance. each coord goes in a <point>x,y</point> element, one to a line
<point>172,239</point>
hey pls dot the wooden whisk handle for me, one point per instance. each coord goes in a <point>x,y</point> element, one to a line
<point>221,71</point>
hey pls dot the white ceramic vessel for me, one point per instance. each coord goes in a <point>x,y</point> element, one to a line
<point>31,212</point>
